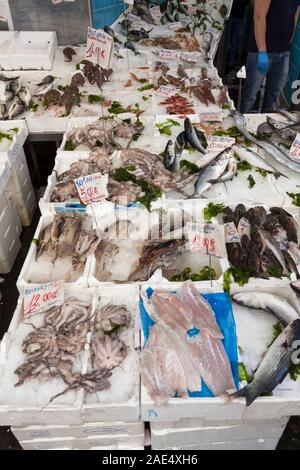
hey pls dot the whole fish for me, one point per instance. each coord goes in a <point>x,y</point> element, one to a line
<point>129,45</point>
<point>3,110</point>
<point>15,87</point>
<point>24,95</point>
<point>291,264</point>
<point>46,80</point>
<point>283,129</point>
<point>206,44</point>
<point>43,89</point>
<point>230,171</point>
<point>16,108</point>
<point>6,95</point>
<point>275,365</point>
<point>191,136</point>
<point>269,243</point>
<point>288,223</point>
<point>293,117</point>
<point>295,285</point>
<point>141,9</point>
<point>272,303</point>
<point>273,153</point>
<point>248,155</point>
<point>3,78</point>
<point>170,157</point>
<point>111,33</point>
<point>212,173</point>
<point>117,52</point>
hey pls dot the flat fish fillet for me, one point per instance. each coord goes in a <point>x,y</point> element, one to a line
<point>162,373</point>
<point>203,316</point>
<point>213,363</point>
<point>170,312</point>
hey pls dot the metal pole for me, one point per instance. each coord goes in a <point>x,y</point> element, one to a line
<point>90,12</point>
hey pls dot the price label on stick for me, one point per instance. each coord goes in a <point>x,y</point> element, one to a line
<point>211,117</point>
<point>92,188</point>
<point>166,91</point>
<point>168,54</point>
<point>295,149</point>
<point>99,48</point>
<point>216,142</point>
<point>39,298</point>
<point>207,239</point>
<point>231,233</point>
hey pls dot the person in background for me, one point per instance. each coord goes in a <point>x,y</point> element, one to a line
<point>237,20</point>
<point>268,52</point>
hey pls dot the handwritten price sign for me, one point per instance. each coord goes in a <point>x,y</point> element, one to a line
<point>216,142</point>
<point>39,298</point>
<point>211,117</point>
<point>92,188</point>
<point>231,233</point>
<point>99,47</point>
<point>295,149</point>
<point>207,239</point>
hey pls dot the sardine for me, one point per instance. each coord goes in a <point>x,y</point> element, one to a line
<point>273,153</point>
<point>16,108</point>
<point>191,136</point>
<point>269,243</point>
<point>275,365</point>
<point>272,303</point>
<point>212,173</point>
<point>24,95</point>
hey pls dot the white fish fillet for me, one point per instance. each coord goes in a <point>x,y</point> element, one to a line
<point>214,365</point>
<point>202,313</point>
<point>162,372</point>
<point>170,311</point>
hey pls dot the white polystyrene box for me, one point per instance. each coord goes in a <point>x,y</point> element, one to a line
<point>10,149</point>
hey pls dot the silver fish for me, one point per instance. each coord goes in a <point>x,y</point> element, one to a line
<point>272,303</point>
<point>191,136</point>
<point>16,108</point>
<point>15,86</point>
<point>111,33</point>
<point>293,117</point>
<point>230,172</point>
<point>252,158</point>
<point>6,95</point>
<point>24,95</point>
<point>283,129</point>
<point>212,173</point>
<point>269,242</point>
<point>170,157</point>
<point>129,45</point>
<point>274,154</point>
<point>275,365</point>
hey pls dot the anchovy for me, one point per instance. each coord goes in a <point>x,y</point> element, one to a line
<point>272,303</point>
<point>191,136</point>
<point>275,365</point>
<point>273,152</point>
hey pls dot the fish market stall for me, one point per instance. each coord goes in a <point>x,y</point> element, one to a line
<point>167,249</point>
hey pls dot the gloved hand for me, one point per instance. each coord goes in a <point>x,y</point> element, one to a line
<point>263,62</point>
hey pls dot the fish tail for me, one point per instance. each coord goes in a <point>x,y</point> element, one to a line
<point>249,393</point>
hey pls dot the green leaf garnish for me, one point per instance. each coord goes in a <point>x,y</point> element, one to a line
<point>191,167</point>
<point>295,198</point>
<point>212,210</point>
<point>69,146</point>
<point>252,181</point>
<point>243,374</point>
<point>206,274</point>
<point>96,99</point>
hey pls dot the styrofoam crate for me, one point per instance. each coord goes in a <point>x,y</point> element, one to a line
<point>83,431</point>
<point>36,271</point>
<point>18,412</point>
<point>10,149</point>
<point>20,179</point>
<point>7,263</point>
<point>127,410</point>
<point>26,206</point>
<point>14,214</point>
<point>6,38</point>
<point>32,50</point>
<point>216,433</point>
<point>85,443</point>
<point>251,444</point>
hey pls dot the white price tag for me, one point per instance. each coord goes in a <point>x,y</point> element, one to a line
<point>295,149</point>
<point>211,117</point>
<point>39,298</point>
<point>92,188</point>
<point>166,91</point>
<point>231,233</point>
<point>175,26</point>
<point>190,56</point>
<point>99,48</point>
<point>215,142</point>
<point>168,54</point>
<point>207,239</point>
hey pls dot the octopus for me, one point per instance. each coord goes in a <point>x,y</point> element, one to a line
<point>52,97</point>
<point>107,352</point>
<point>86,246</point>
<point>112,317</point>
<point>78,80</point>
<point>70,98</point>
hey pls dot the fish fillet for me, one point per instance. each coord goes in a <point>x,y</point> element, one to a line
<point>162,373</point>
<point>213,363</point>
<point>203,316</point>
<point>170,312</point>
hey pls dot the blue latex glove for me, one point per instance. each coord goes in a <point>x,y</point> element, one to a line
<point>263,62</point>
